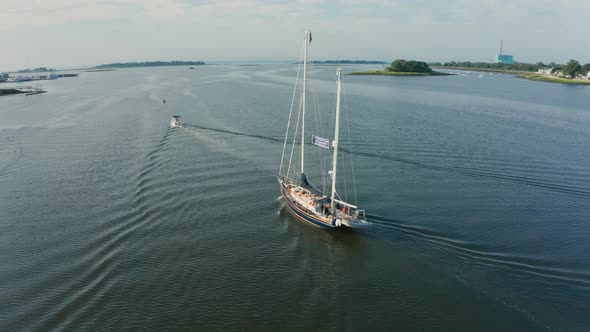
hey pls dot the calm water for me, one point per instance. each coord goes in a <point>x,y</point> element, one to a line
<point>479,188</point>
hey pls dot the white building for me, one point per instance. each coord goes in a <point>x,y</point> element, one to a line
<point>545,71</point>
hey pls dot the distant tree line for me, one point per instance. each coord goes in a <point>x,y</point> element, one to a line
<point>36,70</point>
<point>351,62</point>
<point>572,68</point>
<point>150,64</point>
<point>411,66</point>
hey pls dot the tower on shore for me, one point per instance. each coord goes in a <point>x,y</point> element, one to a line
<point>504,58</point>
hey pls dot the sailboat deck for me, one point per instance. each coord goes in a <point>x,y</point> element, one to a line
<point>306,200</point>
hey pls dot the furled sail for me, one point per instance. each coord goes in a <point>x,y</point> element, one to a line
<point>305,184</point>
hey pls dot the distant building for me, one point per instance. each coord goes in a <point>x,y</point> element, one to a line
<point>545,71</point>
<point>504,58</point>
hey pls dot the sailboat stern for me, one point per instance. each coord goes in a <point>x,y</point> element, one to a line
<point>355,223</point>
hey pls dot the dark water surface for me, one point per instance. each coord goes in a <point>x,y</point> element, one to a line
<point>479,188</point>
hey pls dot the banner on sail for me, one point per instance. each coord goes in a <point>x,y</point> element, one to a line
<point>320,141</point>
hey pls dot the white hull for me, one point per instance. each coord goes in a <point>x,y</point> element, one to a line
<point>176,122</point>
<point>355,223</point>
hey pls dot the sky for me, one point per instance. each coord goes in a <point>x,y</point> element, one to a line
<point>70,33</point>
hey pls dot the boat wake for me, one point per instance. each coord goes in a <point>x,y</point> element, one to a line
<point>272,139</point>
<point>11,153</point>
<point>578,191</point>
<point>573,190</point>
<point>484,255</point>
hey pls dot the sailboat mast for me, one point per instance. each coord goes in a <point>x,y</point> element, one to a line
<point>303,101</point>
<point>335,143</point>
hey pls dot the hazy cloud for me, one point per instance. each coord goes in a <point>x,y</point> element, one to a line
<point>86,32</point>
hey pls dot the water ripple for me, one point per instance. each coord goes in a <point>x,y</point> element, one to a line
<point>484,254</point>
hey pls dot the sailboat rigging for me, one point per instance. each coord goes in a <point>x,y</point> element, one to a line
<point>302,199</point>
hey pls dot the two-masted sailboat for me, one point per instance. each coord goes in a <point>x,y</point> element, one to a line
<point>304,200</point>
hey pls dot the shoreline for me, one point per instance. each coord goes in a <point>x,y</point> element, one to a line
<point>20,91</point>
<point>394,73</point>
<point>541,78</point>
<point>481,69</point>
<point>532,76</point>
<point>10,92</point>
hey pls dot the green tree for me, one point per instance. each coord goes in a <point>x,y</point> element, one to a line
<point>411,66</point>
<point>571,68</point>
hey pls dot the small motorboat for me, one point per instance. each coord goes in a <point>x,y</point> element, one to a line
<point>176,121</point>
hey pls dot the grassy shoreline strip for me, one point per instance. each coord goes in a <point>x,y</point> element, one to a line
<point>482,69</point>
<point>533,76</point>
<point>394,73</point>
<point>541,78</point>
<point>8,92</point>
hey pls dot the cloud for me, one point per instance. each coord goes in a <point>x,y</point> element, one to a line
<point>265,29</point>
<point>160,9</point>
<point>42,13</point>
<point>16,15</point>
<point>256,8</point>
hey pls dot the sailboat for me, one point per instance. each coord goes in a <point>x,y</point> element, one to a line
<point>303,199</point>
